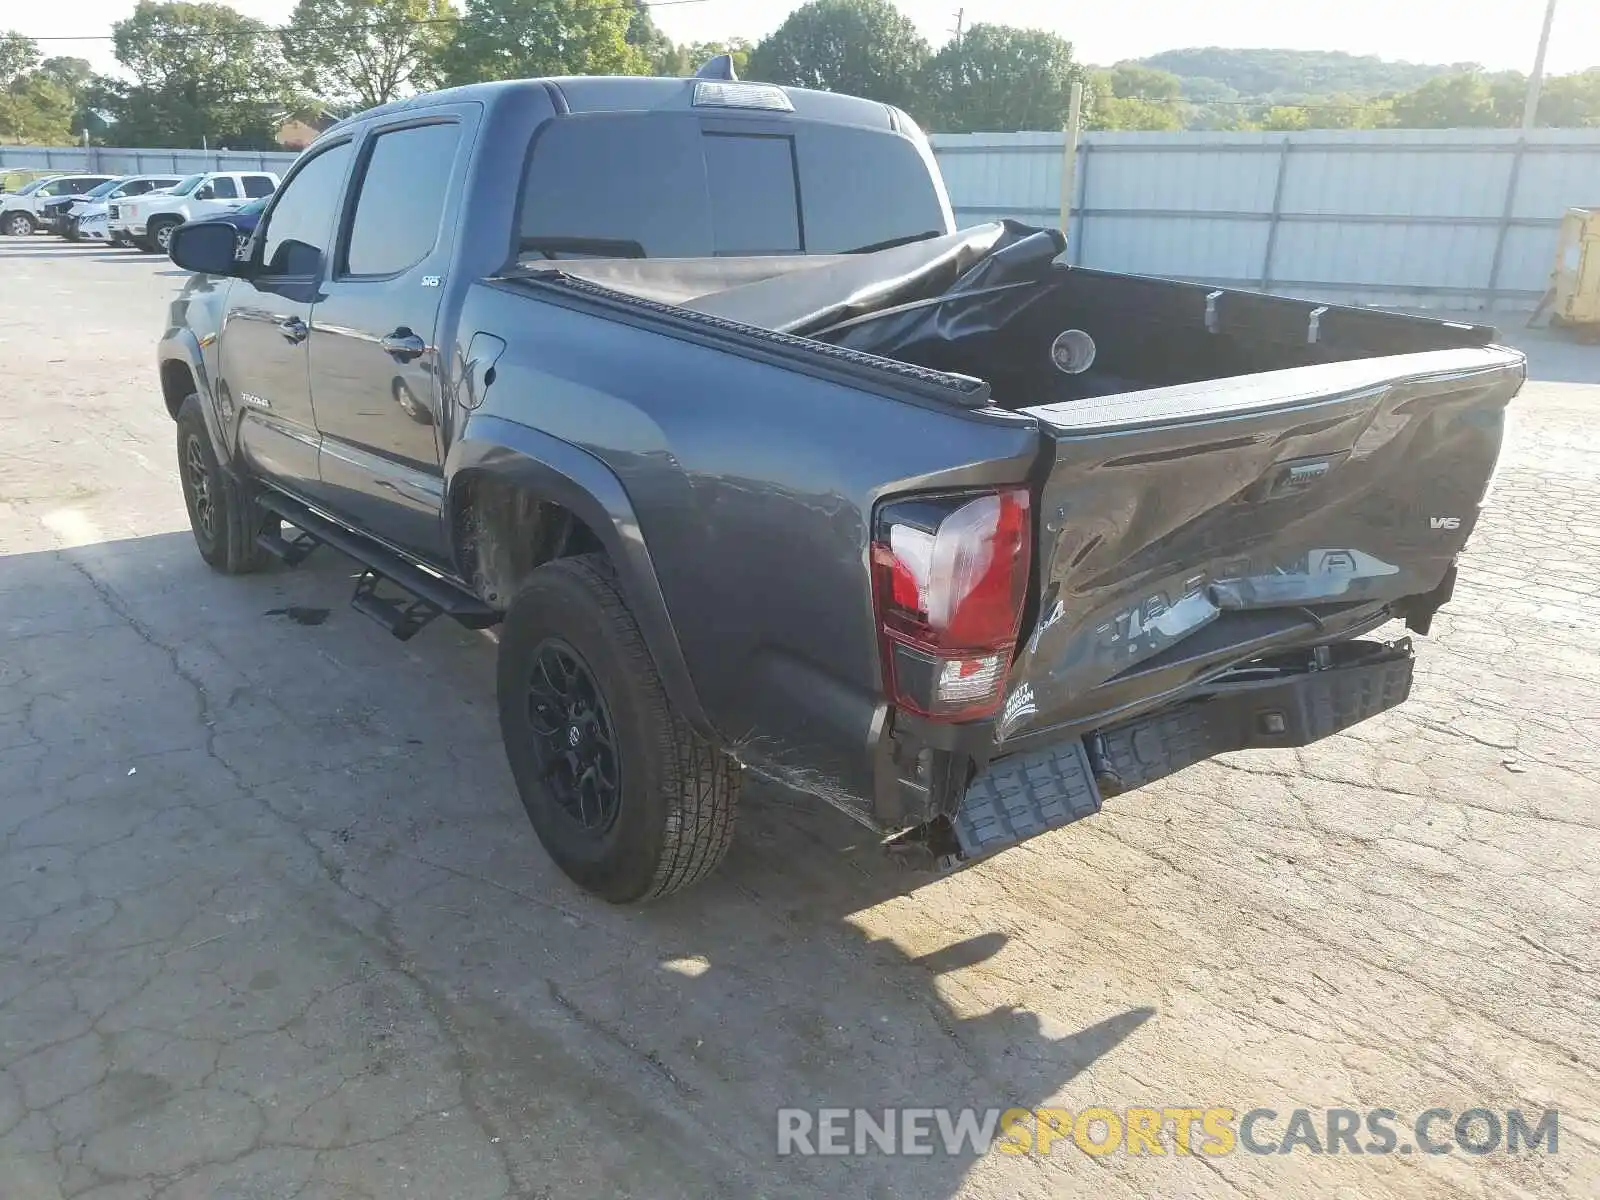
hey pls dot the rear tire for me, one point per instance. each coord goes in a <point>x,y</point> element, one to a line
<point>580,698</point>
<point>221,515</point>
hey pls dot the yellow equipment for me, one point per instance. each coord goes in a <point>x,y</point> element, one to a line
<point>1575,281</point>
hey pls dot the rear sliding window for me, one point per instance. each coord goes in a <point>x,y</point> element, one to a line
<point>675,185</point>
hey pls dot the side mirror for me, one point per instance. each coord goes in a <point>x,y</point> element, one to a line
<point>205,192</point>
<point>207,247</point>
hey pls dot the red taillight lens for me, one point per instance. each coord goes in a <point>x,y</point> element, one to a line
<point>950,578</point>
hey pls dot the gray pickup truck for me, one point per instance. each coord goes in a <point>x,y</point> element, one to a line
<point>761,465</point>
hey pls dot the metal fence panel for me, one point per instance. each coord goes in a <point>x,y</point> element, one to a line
<point>1442,217</point>
<point>111,160</point>
<point>1445,218</point>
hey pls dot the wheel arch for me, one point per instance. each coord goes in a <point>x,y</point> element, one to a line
<point>516,498</point>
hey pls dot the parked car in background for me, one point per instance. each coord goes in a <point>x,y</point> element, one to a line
<point>21,212</point>
<point>148,221</point>
<point>18,178</point>
<point>95,224</point>
<point>65,214</point>
<point>243,221</point>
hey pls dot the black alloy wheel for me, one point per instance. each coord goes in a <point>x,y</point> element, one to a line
<point>574,738</point>
<point>198,476</point>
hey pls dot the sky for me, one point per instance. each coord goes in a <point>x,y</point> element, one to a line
<point>1497,33</point>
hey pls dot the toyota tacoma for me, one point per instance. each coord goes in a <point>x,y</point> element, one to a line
<point>762,467</point>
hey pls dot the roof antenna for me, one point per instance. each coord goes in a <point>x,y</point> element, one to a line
<point>719,67</point>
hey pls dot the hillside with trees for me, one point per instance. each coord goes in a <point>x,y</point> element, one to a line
<point>1211,72</point>
<point>194,73</point>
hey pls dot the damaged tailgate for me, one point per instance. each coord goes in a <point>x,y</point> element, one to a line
<point>1185,530</point>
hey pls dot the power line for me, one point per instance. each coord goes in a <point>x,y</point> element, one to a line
<point>388,25</point>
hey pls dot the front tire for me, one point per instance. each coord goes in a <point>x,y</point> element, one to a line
<point>223,519</point>
<point>627,799</point>
<point>160,235</point>
<point>18,224</point>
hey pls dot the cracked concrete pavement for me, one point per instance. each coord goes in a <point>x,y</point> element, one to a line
<point>273,924</point>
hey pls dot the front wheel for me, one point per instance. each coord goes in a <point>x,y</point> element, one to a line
<point>224,521</point>
<point>17,224</point>
<point>161,236</point>
<point>629,801</point>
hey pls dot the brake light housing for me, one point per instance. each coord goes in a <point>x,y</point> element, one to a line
<point>949,585</point>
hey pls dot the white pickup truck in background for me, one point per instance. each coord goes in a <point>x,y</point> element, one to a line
<point>148,221</point>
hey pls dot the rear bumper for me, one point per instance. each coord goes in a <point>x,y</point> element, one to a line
<point>1024,795</point>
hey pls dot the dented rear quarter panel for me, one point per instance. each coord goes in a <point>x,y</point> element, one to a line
<point>754,487</point>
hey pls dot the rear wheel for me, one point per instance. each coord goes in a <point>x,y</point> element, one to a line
<point>224,521</point>
<point>629,801</point>
<point>17,224</point>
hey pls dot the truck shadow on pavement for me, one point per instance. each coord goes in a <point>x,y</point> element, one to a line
<point>280,871</point>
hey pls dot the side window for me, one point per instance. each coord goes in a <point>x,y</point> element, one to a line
<point>137,188</point>
<point>256,186</point>
<point>224,188</point>
<point>53,189</point>
<point>401,200</point>
<point>300,225</point>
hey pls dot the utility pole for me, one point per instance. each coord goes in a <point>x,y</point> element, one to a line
<point>961,14</point>
<point>1069,155</point>
<point>1530,111</point>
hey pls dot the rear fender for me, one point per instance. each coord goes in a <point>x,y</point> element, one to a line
<point>560,473</point>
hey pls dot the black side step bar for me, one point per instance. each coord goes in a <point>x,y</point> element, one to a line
<point>428,595</point>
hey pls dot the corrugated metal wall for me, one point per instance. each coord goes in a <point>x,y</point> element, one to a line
<point>1448,218</point>
<point>1442,218</point>
<point>106,160</point>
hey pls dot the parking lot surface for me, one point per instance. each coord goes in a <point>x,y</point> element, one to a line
<point>273,923</point>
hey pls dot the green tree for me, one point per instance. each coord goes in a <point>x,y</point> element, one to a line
<point>35,108</point>
<point>1467,100</point>
<point>646,36</point>
<point>1132,96</point>
<point>39,100</point>
<point>520,39</point>
<point>71,73</point>
<point>1571,101</point>
<point>201,72</point>
<point>1286,118</point>
<point>18,56</point>
<point>861,47</point>
<point>690,57</point>
<point>1344,111</point>
<point>1000,78</point>
<point>368,52</point>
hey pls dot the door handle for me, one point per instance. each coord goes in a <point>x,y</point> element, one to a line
<point>402,345</point>
<point>294,329</point>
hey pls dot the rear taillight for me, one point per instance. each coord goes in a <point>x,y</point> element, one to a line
<point>949,582</point>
